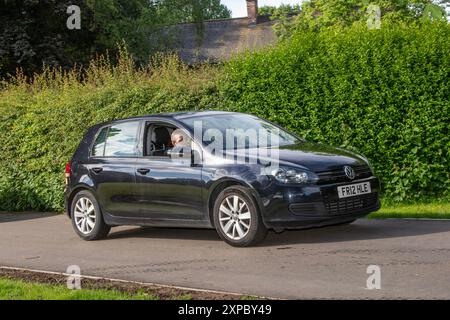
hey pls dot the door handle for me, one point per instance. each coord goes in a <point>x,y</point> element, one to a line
<point>143,171</point>
<point>97,169</point>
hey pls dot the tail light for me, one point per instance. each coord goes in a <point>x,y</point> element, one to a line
<point>67,174</point>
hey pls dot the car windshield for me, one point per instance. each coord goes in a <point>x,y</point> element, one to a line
<point>238,131</point>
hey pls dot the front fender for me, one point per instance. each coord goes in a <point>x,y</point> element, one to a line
<point>247,176</point>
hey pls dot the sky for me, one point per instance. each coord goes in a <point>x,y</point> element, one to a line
<point>239,7</point>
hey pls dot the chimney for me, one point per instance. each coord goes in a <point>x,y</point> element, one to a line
<point>252,12</point>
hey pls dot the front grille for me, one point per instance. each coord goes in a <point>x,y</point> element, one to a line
<point>352,204</point>
<point>338,175</point>
<point>302,209</point>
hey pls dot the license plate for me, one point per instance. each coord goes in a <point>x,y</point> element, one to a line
<point>352,190</point>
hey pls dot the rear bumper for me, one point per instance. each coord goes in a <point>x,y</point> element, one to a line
<point>317,205</point>
<point>66,201</point>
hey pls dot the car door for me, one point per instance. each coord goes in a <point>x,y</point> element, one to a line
<point>168,189</point>
<point>112,168</point>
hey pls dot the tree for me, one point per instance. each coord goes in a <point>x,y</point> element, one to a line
<point>33,33</point>
<point>323,13</point>
<point>318,14</point>
<point>195,10</point>
<point>436,10</point>
<point>283,9</point>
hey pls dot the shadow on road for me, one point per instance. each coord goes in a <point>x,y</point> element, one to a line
<point>359,230</point>
<point>369,230</point>
<point>21,216</point>
<point>165,233</point>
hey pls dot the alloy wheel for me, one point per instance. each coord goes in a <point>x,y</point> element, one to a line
<point>234,217</point>
<point>84,215</point>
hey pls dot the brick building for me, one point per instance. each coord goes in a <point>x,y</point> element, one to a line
<point>218,40</point>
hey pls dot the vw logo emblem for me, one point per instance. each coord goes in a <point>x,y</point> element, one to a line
<point>349,172</point>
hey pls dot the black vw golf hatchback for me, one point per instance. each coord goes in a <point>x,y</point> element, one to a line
<point>233,172</point>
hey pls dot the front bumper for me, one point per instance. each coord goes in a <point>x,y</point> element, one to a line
<point>294,207</point>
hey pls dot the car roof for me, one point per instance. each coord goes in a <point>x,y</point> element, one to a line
<point>171,116</point>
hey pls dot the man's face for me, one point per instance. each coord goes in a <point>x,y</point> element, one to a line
<point>176,139</point>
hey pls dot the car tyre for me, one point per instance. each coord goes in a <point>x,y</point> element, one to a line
<point>237,218</point>
<point>87,218</point>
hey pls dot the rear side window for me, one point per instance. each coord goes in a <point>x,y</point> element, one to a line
<point>99,144</point>
<point>121,140</point>
<point>117,141</point>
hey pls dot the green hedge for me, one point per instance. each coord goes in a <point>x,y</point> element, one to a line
<point>42,123</point>
<point>383,92</point>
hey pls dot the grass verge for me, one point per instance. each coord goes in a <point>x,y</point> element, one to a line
<point>30,285</point>
<point>434,210</point>
<point>21,290</point>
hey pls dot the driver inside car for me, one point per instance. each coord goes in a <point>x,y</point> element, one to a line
<point>179,141</point>
<point>178,138</point>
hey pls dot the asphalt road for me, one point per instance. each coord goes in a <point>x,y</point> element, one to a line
<point>413,256</point>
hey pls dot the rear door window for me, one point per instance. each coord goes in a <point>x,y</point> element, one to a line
<point>117,141</point>
<point>121,140</point>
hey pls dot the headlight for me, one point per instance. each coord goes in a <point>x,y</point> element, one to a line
<point>291,175</point>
